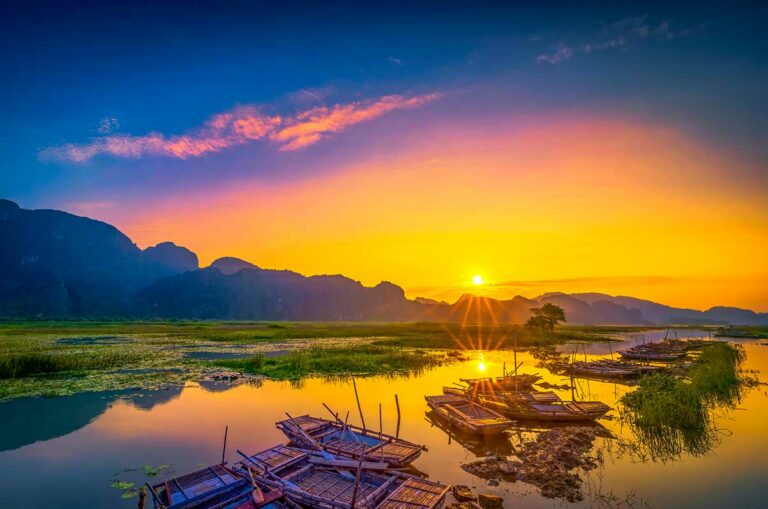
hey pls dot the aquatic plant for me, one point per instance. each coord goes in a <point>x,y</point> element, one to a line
<point>26,364</point>
<point>358,359</point>
<point>671,416</point>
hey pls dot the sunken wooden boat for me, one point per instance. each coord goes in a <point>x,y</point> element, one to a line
<point>318,482</point>
<point>468,416</point>
<point>347,441</point>
<point>214,487</point>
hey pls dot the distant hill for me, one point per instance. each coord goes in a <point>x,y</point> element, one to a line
<point>229,265</point>
<point>57,265</point>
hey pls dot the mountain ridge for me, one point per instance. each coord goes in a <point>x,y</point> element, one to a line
<point>57,264</point>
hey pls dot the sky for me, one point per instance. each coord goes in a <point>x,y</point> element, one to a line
<point>610,147</point>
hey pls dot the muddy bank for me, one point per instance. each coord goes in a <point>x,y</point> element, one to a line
<point>552,462</point>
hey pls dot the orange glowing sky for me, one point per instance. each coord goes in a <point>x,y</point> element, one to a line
<point>576,203</point>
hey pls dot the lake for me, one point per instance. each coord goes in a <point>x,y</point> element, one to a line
<point>68,451</point>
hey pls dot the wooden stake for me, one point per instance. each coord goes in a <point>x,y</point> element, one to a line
<point>359,408</point>
<point>224,449</point>
<point>397,404</point>
<point>142,497</point>
<point>381,431</point>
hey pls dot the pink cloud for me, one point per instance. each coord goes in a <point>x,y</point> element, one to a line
<point>239,126</point>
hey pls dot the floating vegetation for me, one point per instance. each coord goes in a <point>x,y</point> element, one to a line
<point>129,488</point>
<point>151,471</point>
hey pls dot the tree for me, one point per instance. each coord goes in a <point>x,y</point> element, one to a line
<point>546,317</point>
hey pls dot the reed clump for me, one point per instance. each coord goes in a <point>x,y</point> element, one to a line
<point>32,364</point>
<point>360,359</point>
<point>663,401</point>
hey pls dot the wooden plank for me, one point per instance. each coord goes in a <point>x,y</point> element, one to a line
<point>366,465</point>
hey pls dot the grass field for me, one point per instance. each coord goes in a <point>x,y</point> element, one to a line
<point>60,358</point>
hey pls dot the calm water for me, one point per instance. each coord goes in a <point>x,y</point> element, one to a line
<point>67,451</point>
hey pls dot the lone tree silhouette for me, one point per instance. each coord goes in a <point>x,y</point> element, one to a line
<point>546,317</point>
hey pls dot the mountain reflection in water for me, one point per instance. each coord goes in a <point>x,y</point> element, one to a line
<point>76,446</point>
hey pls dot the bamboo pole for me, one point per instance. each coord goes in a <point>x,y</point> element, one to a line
<point>359,408</point>
<point>224,449</point>
<point>304,433</point>
<point>397,404</point>
<point>357,478</point>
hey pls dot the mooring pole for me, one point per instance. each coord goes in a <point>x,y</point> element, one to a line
<point>515,353</point>
<point>397,405</point>
<point>224,449</point>
<point>142,497</point>
<point>359,408</point>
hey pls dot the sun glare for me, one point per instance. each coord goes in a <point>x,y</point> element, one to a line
<point>481,366</point>
<point>477,280</point>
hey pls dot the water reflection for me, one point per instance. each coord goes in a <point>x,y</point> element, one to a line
<point>26,421</point>
<point>90,437</point>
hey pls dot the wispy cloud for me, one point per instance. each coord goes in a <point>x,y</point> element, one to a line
<point>240,126</point>
<point>623,33</point>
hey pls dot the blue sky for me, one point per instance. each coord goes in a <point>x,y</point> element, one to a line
<point>70,67</point>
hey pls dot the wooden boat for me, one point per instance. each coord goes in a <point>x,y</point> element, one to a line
<point>534,405</point>
<point>606,368</point>
<point>349,441</point>
<point>214,487</point>
<point>479,445</point>
<point>544,406</point>
<point>467,415</point>
<point>651,355</point>
<point>319,483</point>
<point>596,369</point>
<point>508,382</point>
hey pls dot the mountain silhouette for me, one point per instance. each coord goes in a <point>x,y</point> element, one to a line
<point>57,265</point>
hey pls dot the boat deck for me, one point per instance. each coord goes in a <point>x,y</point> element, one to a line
<point>277,457</point>
<point>415,494</point>
<point>184,490</point>
<point>329,484</point>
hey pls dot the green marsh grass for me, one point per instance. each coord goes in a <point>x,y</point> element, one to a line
<point>31,364</point>
<point>671,416</point>
<point>319,360</point>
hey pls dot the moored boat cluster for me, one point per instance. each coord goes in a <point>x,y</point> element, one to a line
<point>328,464</point>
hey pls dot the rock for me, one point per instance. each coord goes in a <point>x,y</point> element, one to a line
<point>547,463</point>
<point>488,501</point>
<point>463,493</point>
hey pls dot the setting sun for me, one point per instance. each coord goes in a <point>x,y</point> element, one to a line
<point>477,280</point>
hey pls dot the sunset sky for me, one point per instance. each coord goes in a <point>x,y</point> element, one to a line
<point>576,147</point>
